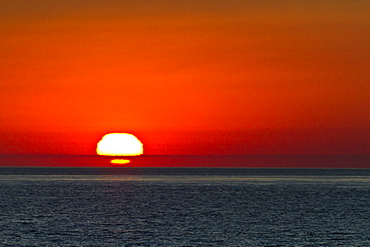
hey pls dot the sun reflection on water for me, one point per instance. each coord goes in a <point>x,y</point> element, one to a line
<point>120,161</point>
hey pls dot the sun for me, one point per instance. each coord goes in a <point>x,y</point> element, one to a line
<point>119,144</point>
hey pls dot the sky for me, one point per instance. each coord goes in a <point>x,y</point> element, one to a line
<point>186,77</point>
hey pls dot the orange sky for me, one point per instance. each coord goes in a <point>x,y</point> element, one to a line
<point>186,77</point>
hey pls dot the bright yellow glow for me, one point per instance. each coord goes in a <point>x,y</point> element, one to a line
<point>119,144</point>
<point>120,161</point>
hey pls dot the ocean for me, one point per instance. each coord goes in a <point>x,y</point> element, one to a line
<point>122,206</point>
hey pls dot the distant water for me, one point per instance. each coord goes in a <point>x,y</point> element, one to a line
<point>257,161</point>
<point>184,207</point>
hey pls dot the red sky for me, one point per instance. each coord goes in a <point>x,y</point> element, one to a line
<point>186,77</point>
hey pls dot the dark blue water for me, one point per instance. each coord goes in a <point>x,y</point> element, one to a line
<point>184,207</point>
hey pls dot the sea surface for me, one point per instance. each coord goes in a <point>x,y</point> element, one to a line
<point>42,206</point>
<point>250,161</point>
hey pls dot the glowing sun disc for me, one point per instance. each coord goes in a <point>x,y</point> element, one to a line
<point>119,144</point>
